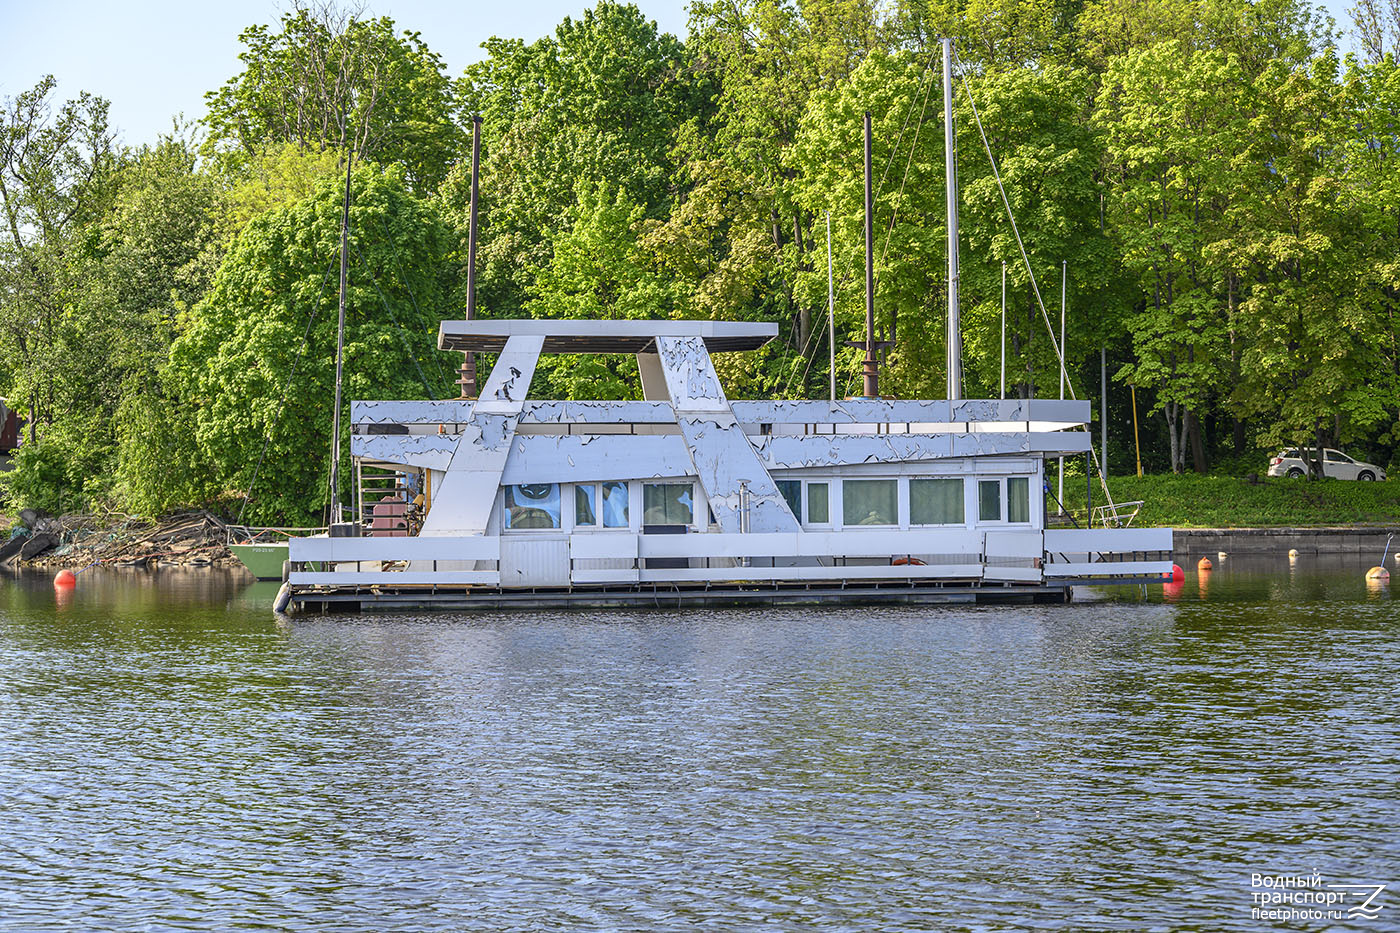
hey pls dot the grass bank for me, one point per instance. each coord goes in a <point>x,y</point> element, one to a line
<point>1191,500</point>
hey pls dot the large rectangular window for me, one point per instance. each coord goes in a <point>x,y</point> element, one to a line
<point>1018,499</point>
<point>936,502</point>
<point>535,505</point>
<point>615,505</point>
<point>818,504</point>
<point>870,502</point>
<point>667,504</point>
<point>792,492</point>
<point>989,500</point>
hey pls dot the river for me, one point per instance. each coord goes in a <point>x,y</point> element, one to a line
<point>174,757</point>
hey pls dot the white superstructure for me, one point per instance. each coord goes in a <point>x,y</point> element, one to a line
<point>687,496</point>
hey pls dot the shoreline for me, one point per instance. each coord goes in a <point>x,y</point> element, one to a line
<point>1327,539</point>
<point>202,549</point>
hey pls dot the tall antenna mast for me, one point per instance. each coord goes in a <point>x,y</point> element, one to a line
<point>872,366</point>
<point>468,380</point>
<point>950,163</point>
<point>340,346</point>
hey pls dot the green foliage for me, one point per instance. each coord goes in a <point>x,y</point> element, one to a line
<point>1220,501</point>
<point>329,80</point>
<point>1224,191</point>
<point>243,343</point>
<point>593,105</point>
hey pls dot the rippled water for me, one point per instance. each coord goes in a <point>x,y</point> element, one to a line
<point>175,758</point>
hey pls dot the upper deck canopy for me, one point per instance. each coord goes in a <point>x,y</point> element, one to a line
<point>489,336</point>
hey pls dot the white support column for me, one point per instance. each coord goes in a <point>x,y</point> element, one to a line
<point>723,457</point>
<point>462,504</point>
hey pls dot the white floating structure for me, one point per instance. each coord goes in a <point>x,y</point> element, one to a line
<point>689,498</point>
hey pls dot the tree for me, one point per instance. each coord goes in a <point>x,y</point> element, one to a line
<point>331,80</point>
<point>1175,124</point>
<point>268,326</point>
<point>1316,363</point>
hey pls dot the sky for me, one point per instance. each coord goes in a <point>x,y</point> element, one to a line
<point>154,59</point>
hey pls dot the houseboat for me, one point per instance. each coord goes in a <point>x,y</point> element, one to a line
<point>686,497</point>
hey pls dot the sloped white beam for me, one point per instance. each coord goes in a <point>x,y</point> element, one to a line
<point>724,460</point>
<point>462,503</point>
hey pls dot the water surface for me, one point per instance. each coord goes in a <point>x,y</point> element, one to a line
<point>176,758</point>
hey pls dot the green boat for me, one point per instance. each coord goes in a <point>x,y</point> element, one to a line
<point>263,560</point>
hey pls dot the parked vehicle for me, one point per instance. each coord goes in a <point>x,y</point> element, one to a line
<point>1291,463</point>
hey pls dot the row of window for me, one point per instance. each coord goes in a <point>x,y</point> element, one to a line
<point>606,505</point>
<point>939,501</point>
<point>932,501</point>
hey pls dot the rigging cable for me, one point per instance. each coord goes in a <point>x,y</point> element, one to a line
<point>404,279</point>
<point>1025,258</point>
<point>402,336</point>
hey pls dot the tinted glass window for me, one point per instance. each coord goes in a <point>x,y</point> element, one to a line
<point>585,505</point>
<point>1018,499</point>
<point>936,502</point>
<point>989,500</point>
<point>870,502</point>
<point>667,504</point>
<point>792,492</point>
<point>818,504</point>
<point>532,506</point>
<point>615,505</point>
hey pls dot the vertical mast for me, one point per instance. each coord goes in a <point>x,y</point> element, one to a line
<point>871,388</point>
<point>468,380</point>
<point>340,347</point>
<point>950,163</point>
<point>1003,330</point>
<point>830,307</point>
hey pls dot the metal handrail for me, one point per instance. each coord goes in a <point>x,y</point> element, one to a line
<point>251,534</point>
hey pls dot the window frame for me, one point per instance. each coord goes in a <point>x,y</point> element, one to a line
<point>805,518</point>
<point>962,498</point>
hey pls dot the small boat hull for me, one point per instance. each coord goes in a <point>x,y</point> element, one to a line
<point>264,561</point>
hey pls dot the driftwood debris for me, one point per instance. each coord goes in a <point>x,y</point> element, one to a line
<point>192,538</point>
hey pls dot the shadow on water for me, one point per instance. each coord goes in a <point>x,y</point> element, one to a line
<point>176,756</point>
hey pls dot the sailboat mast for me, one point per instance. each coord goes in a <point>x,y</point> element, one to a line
<point>950,162</point>
<point>468,379</point>
<point>872,366</point>
<point>340,347</point>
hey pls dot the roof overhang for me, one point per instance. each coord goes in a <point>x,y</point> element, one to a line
<point>490,335</point>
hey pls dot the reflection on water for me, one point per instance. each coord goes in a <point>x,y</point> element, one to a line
<point>174,757</point>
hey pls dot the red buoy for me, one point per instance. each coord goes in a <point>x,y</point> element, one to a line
<point>1176,575</point>
<point>65,578</point>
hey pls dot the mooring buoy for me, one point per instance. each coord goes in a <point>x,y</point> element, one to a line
<point>1204,565</point>
<point>64,579</point>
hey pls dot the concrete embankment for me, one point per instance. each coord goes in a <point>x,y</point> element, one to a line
<point>1193,543</point>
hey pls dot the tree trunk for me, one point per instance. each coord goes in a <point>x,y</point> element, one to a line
<point>1173,439</point>
<point>1193,435</point>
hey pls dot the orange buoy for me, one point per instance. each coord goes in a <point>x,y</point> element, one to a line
<point>1204,564</point>
<point>1378,574</point>
<point>1176,575</point>
<point>65,578</point>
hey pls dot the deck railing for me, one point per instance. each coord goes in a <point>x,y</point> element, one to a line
<point>623,558</point>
